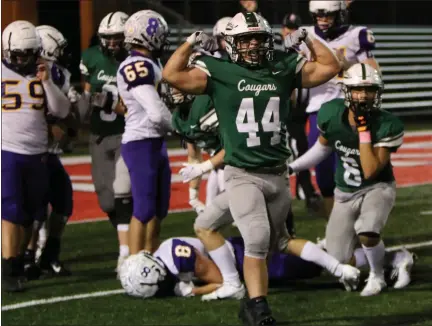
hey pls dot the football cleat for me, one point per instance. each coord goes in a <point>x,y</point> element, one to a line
<point>55,268</point>
<point>257,315</point>
<point>402,271</point>
<point>350,277</point>
<point>321,243</point>
<point>226,291</point>
<point>375,284</point>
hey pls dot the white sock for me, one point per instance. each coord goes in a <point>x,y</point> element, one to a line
<point>311,252</point>
<point>396,258</point>
<point>360,257</point>
<point>123,227</point>
<point>375,256</point>
<point>124,251</point>
<point>226,262</point>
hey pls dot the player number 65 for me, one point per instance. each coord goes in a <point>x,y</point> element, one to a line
<point>131,71</point>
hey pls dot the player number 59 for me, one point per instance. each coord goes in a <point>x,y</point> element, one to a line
<point>134,70</point>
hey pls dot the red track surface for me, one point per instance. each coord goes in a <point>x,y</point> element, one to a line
<point>419,171</point>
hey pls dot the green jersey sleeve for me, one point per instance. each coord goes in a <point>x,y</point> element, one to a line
<point>390,133</point>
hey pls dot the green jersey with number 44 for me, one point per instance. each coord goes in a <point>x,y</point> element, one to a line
<point>99,69</point>
<point>252,105</point>
<point>386,131</point>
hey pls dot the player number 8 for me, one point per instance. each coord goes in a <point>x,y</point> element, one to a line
<point>182,251</point>
<point>131,71</point>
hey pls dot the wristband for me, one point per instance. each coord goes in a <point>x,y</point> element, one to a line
<point>207,166</point>
<point>365,137</point>
<point>193,194</point>
<point>192,38</point>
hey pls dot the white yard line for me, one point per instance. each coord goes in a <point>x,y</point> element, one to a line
<point>418,133</point>
<point>426,213</point>
<point>33,303</point>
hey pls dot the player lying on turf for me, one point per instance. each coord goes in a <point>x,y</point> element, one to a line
<point>183,267</point>
<point>363,137</point>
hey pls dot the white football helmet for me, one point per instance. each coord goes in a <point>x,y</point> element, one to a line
<point>147,29</point>
<point>111,30</point>
<point>220,26</point>
<point>53,43</point>
<point>239,33</point>
<point>336,9</point>
<point>21,46</point>
<point>362,75</point>
<point>140,275</point>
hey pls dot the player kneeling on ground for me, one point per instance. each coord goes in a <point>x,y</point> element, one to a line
<point>363,136</point>
<point>180,263</point>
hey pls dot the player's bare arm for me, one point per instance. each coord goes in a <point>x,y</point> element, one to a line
<point>206,270</point>
<point>205,289</point>
<point>176,72</point>
<point>373,159</point>
<point>325,66</point>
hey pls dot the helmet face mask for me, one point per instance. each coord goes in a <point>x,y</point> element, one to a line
<point>249,40</point>
<point>366,99</point>
<point>176,99</point>
<point>111,44</point>
<point>363,87</point>
<point>253,48</point>
<point>24,61</point>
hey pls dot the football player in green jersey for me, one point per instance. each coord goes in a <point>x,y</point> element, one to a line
<point>195,120</point>
<point>99,100</point>
<point>363,136</point>
<point>251,94</point>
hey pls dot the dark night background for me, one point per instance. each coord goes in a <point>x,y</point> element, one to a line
<point>64,14</point>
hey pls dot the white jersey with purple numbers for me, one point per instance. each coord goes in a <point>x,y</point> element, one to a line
<point>138,72</point>
<point>24,127</point>
<point>61,77</point>
<point>356,42</point>
<point>179,256</point>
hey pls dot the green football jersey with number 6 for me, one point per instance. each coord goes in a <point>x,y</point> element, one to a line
<point>252,105</point>
<point>386,131</point>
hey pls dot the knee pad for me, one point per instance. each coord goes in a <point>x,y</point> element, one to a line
<point>123,209</point>
<point>257,240</point>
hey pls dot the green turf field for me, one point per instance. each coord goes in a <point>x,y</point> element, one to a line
<point>90,250</point>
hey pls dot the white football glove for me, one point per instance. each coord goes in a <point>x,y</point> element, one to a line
<point>184,289</point>
<point>73,95</point>
<point>205,42</point>
<point>192,170</point>
<point>295,38</point>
